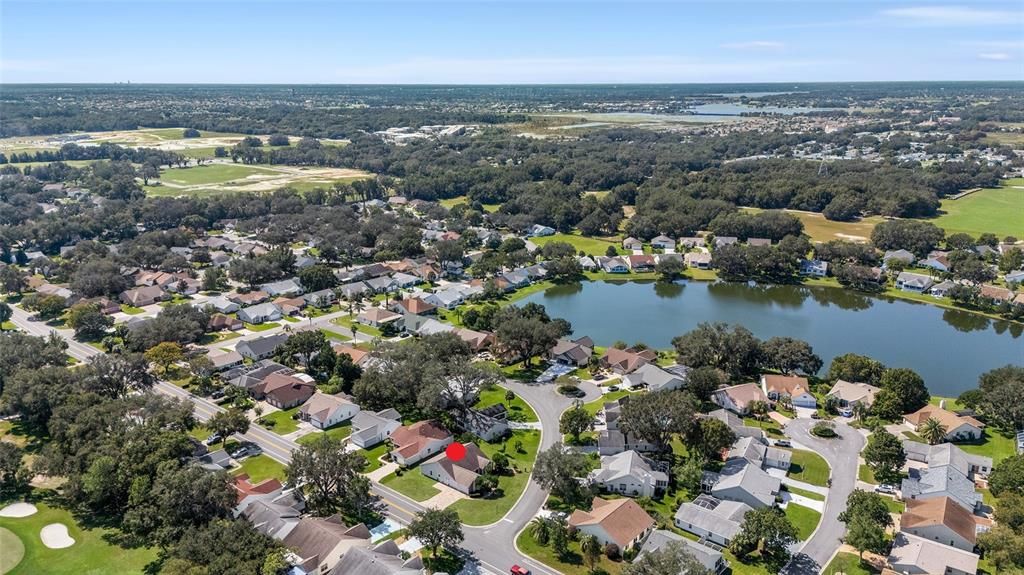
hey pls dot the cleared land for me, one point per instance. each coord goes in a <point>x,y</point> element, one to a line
<point>823,230</point>
<point>590,246</point>
<point>996,210</point>
<point>223,177</point>
<point>90,554</point>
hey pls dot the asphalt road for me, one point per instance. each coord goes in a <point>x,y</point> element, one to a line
<point>841,454</point>
<point>490,548</point>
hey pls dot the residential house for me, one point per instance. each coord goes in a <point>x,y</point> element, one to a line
<point>107,306</point>
<point>740,480</point>
<point>572,351</point>
<point>359,357</point>
<point>788,387</point>
<point>384,559</point>
<point>350,291</point>
<point>849,394</point>
<point>641,263</point>
<point>663,242</point>
<point>215,461</point>
<point>630,473</point>
<point>619,521</point>
<point>220,322</point>
<point>948,454</point>
<point>697,260</point>
<point>623,361</point>
<point>941,519</point>
<point>413,305</point>
<point>445,298</point>
<point>725,241</point>
<point>488,423</point>
<point>901,255</point>
<point>317,544</point>
<point>612,441</point>
<point>382,284</point>
<point>377,317</point>
<point>615,265</point>
<point>285,391</point>
<point>324,410</point>
<point>404,280</point>
<point>517,278</point>
<point>655,378</point>
<point>588,264</point>
<point>414,443</point>
<point>143,296</point>
<point>737,398</point>
<point>260,313</point>
<point>763,242</point>
<point>370,429</point>
<point>909,281</point>
<point>423,326</point>
<point>249,376</point>
<point>225,360</point>
<point>958,428</point>
<point>708,556</point>
<point>320,298</point>
<point>290,305</point>
<point>941,481</point>
<point>712,519</point>
<point>756,451</point>
<point>539,231</point>
<point>1015,277</point>
<point>249,298</point>
<point>735,423</point>
<point>632,244</point>
<point>690,243</point>
<point>942,288</point>
<point>814,268</point>
<point>262,347</point>
<point>477,340</point>
<point>995,293</point>
<point>221,304</point>
<point>461,475</point>
<point>936,261</point>
<point>913,555</point>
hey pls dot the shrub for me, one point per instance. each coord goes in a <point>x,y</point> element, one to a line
<point>612,551</point>
<point>824,429</point>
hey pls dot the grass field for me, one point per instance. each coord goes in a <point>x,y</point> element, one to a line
<point>13,550</point>
<point>260,326</point>
<point>259,468</point>
<point>373,456</point>
<point>803,518</point>
<point>995,444</point>
<point>340,431</point>
<point>848,564</point>
<point>805,493</point>
<point>809,467</point>
<point>413,484</point>
<point>281,422</point>
<point>486,510</point>
<point>590,246</point>
<point>996,210</point>
<point>210,174</point>
<point>518,410</point>
<point>452,202</point>
<point>91,554</point>
<point>571,564</point>
<point>823,230</point>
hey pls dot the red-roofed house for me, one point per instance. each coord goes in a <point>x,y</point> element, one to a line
<point>414,443</point>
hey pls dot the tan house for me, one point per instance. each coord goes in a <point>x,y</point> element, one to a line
<point>143,296</point>
<point>791,387</point>
<point>958,428</point>
<point>913,555</point>
<point>324,410</point>
<point>623,361</point>
<point>358,356</point>
<point>849,394</point>
<point>619,521</point>
<point>318,543</point>
<point>376,316</point>
<point>737,398</point>
<point>461,475</point>
<point>477,340</point>
<point>940,519</point>
<point>285,391</point>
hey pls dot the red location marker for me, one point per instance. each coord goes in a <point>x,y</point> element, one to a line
<point>456,452</point>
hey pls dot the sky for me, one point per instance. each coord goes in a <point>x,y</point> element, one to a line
<point>485,42</point>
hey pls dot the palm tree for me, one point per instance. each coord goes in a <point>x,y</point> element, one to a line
<point>860,411</point>
<point>758,408</point>
<point>540,528</point>
<point>932,431</point>
<point>591,549</point>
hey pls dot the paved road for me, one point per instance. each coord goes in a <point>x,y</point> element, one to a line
<point>841,454</point>
<point>491,548</point>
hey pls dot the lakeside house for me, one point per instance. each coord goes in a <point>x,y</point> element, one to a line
<point>737,398</point>
<point>958,428</point>
<point>849,394</point>
<point>788,387</point>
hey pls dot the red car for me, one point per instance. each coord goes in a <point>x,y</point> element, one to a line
<point>517,570</point>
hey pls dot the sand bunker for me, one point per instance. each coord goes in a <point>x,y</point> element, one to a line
<point>21,509</point>
<point>55,536</point>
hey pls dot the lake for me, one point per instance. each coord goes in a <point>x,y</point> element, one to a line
<point>949,348</point>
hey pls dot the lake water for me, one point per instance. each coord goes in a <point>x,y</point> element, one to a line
<point>949,348</point>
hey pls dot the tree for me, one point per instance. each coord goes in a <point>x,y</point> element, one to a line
<point>301,348</point>
<point>865,535</point>
<point>1004,548</point>
<point>655,417</point>
<point>278,140</point>
<point>856,368</point>
<point>932,431</point>
<point>332,479</point>
<point>590,547</point>
<point>575,421</point>
<point>787,355</point>
<point>165,354</point>
<point>14,476</point>
<point>1008,476</point>
<point>540,529</point>
<point>115,376</point>
<point>88,321</point>
<point>558,470</point>
<point>733,349</point>
<point>709,437</point>
<point>528,331</point>
<point>5,314</point>
<point>769,530</point>
<point>317,277</point>
<point>673,558</point>
<point>703,381</point>
<point>436,528</point>
<point>1001,390</point>
<point>214,279</point>
<point>510,396</point>
<point>670,269</point>
<point>559,535</point>
<point>866,517</point>
<point>611,252</point>
<point>903,391</point>
<point>227,423</point>
<point>916,236</point>
<point>688,476</point>
<point>182,498</point>
<point>885,456</point>
<point>222,547</point>
<point>48,306</point>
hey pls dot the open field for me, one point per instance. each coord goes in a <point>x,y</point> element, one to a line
<point>823,230</point>
<point>995,210</point>
<point>452,202</point>
<point>848,564</point>
<point>590,246</point>
<point>220,177</point>
<point>91,553</point>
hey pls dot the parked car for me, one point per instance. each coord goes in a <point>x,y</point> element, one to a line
<point>517,570</point>
<point>783,443</point>
<point>215,438</point>
<point>845,412</point>
<point>613,388</point>
<point>240,452</point>
<point>884,488</point>
<point>217,394</point>
<point>815,415</point>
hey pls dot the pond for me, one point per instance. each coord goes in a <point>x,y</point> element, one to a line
<point>949,348</point>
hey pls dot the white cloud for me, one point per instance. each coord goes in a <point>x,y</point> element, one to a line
<point>995,56</point>
<point>952,16</point>
<point>755,45</point>
<point>574,70</point>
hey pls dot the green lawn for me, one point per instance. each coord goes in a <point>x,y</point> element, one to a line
<point>895,506</point>
<point>131,310</point>
<point>588,245</point>
<point>211,174</point>
<point>347,323</point>
<point>281,422</point>
<point>486,510</point>
<point>91,554</point>
<point>823,230</point>
<point>412,483</point>
<point>259,468</point>
<point>340,431</point>
<point>452,202</point>
<point>260,326</point>
<point>518,410</point>
<point>13,550</point>
<point>996,210</point>
<point>865,474</point>
<point>768,426</point>
<point>994,444</point>
<point>291,319</point>
<point>373,456</point>
<point>571,564</point>
<point>803,518</point>
<point>805,493</point>
<point>808,467</point>
<point>848,564</point>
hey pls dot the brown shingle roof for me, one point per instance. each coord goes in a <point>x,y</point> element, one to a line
<point>947,418</point>
<point>411,439</point>
<point>623,519</point>
<point>939,511</point>
<point>790,385</point>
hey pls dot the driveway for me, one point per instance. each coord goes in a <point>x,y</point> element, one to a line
<point>841,454</point>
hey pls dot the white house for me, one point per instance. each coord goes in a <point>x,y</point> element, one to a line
<point>460,475</point>
<point>324,410</point>
<point>260,313</point>
<point>713,519</point>
<point>369,428</point>
<point>630,473</point>
<point>958,428</point>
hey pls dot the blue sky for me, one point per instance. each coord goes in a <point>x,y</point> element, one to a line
<point>213,41</point>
